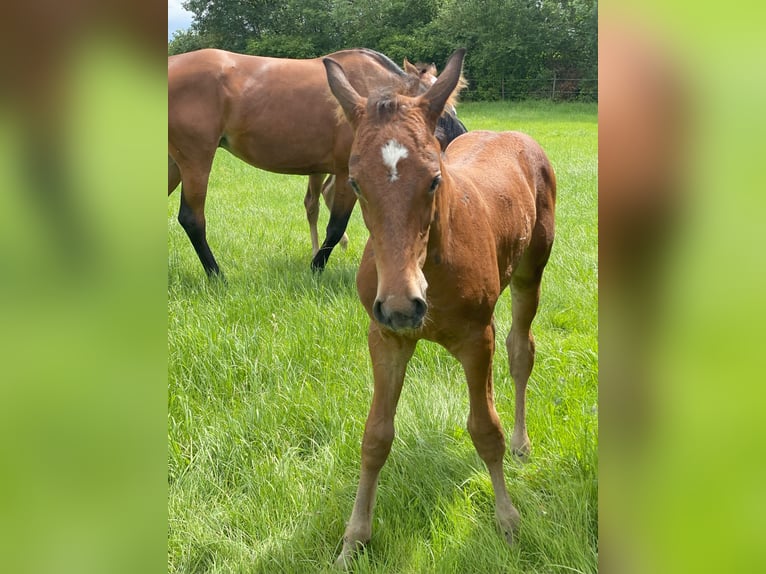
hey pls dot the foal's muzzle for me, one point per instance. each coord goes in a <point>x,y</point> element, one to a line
<point>400,315</point>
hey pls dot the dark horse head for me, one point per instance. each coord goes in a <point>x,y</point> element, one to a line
<point>448,128</point>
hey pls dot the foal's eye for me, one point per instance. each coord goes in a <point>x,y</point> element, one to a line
<point>435,183</point>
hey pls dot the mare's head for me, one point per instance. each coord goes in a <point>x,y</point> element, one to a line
<point>426,73</point>
<point>449,126</point>
<point>395,170</point>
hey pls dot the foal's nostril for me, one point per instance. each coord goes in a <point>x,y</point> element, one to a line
<point>419,309</point>
<point>408,315</point>
<point>377,311</point>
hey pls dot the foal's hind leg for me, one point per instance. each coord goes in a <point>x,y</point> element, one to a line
<point>191,214</point>
<point>390,356</point>
<point>475,354</point>
<point>525,293</point>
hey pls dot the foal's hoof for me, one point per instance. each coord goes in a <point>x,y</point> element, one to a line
<point>521,449</point>
<point>347,555</point>
<point>521,454</point>
<point>342,562</point>
<point>344,242</point>
<point>509,525</point>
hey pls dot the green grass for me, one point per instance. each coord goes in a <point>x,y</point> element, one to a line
<point>269,385</point>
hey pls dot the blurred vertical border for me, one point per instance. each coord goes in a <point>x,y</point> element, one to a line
<point>681,271</point>
<point>83,287</point>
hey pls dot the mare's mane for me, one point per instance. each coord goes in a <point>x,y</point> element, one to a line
<point>383,102</point>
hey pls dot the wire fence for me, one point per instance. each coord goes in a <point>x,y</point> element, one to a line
<point>554,89</point>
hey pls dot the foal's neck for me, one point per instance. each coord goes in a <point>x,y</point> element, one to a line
<point>446,200</point>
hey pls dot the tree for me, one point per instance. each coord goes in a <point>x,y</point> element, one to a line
<point>515,47</point>
<point>229,24</point>
<point>186,41</point>
<point>298,29</point>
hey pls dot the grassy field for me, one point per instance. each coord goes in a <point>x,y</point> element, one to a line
<point>269,385</point>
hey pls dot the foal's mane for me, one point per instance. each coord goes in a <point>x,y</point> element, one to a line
<point>383,104</point>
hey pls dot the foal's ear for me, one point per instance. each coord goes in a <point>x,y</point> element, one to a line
<point>348,98</point>
<point>436,97</point>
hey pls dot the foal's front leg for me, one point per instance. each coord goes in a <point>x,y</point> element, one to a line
<point>475,354</point>
<point>390,355</point>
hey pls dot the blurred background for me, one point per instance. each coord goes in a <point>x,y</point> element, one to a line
<point>681,279</point>
<point>83,287</point>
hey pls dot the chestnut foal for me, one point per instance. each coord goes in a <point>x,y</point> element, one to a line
<point>448,233</point>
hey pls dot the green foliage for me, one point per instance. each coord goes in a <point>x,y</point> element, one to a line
<point>515,47</point>
<point>269,384</point>
<point>187,41</point>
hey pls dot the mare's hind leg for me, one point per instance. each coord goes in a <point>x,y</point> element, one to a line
<point>328,194</point>
<point>311,203</point>
<point>475,354</point>
<point>174,175</point>
<point>342,206</point>
<point>390,356</point>
<point>191,214</point>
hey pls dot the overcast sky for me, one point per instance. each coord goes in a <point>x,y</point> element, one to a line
<point>178,18</point>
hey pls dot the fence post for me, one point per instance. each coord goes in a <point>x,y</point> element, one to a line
<point>553,91</point>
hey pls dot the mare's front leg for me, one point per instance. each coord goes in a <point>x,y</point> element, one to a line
<point>475,354</point>
<point>390,355</point>
<point>311,203</point>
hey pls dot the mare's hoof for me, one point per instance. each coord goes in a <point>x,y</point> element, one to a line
<point>217,278</point>
<point>317,266</point>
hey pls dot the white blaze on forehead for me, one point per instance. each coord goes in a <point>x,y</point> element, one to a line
<point>392,152</point>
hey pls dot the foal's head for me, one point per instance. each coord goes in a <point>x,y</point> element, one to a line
<point>395,170</point>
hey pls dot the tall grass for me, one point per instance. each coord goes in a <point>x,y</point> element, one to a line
<point>269,385</point>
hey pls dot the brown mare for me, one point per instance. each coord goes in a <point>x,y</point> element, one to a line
<point>450,128</point>
<point>275,114</point>
<point>448,234</point>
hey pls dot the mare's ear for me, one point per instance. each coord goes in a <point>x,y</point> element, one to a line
<point>410,68</point>
<point>433,101</point>
<point>352,103</point>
